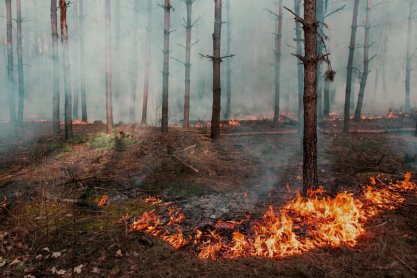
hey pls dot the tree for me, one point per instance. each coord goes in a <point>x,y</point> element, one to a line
<point>55,58</point>
<point>352,46</point>
<point>84,116</point>
<point>147,65</point>
<point>19,21</point>
<point>109,100</point>
<point>320,50</point>
<point>167,25</point>
<point>366,60</point>
<point>277,66</point>
<point>10,75</point>
<point>300,68</point>
<point>408,57</point>
<point>76,94</point>
<point>63,5</point>
<point>228,62</point>
<point>134,65</point>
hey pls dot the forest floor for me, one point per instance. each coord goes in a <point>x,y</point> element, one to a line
<point>50,224</point>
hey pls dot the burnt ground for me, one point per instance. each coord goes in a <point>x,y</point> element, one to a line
<point>52,219</point>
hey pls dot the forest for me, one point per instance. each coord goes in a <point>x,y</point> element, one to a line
<point>208,138</point>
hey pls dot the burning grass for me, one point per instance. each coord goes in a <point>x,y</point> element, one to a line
<point>299,226</point>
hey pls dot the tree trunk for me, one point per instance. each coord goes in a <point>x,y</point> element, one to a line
<point>365,72</point>
<point>310,176</point>
<point>55,58</point>
<point>407,101</point>
<point>167,26</point>
<point>320,51</point>
<point>134,66</point>
<point>109,99</point>
<point>19,22</point>
<point>10,75</point>
<point>147,65</point>
<point>188,27</point>
<point>228,62</point>
<point>384,59</point>
<point>278,41</point>
<point>84,115</point>
<point>76,94</point>
<point>63,5</point>
<point>217,89</point>
<point>352,46</point>
<point>300,68</point>
<point>326,99</point>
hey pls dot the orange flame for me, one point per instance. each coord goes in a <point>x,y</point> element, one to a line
<point>103,201</point>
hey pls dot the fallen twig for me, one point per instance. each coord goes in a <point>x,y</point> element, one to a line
<point>185,164</point>
<point>405,264</point>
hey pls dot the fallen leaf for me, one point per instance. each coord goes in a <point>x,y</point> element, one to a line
<point>46,249</point>
<point>39,257</point>
<point>96,270</point>
<point>78,269</point>
<point>58,272</point>
<point>56,254</point>
<point>16,261</point>
<point>119,253</point>
<point>29,276</point>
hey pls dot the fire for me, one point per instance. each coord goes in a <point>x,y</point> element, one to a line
<point>301,225</point>
<point>103,201</point>
<point>233,123</point>
<point>153,201</point>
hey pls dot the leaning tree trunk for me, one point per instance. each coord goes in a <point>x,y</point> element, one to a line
<point>109,100</point>
<point>188,27</point>
<point>134,66</point>
<point>147,66</point>
<point>310,176</point>
<point>407,104</point>
<point>352,46</point>
<point>228,62</point>
<point>300,68</point>
<point>84,116</point>
<point>320,50</point>
<point>55,58</point>
<point>63,5</point>
<point>217,89</point>
<point>278,42</point>
<point>19,22</point>
<point>365,73</point>
<point>10,76</point>
<point>165,83</point>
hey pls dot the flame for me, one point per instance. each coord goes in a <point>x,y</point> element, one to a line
<point>153,201</point>
<point>103,201</point>
<point>301,225</point>
<point>233,123</point>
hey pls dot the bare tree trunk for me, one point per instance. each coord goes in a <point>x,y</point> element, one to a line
<point>63,5</point>
<point>109,99</point>
<point>278,42</point>
<point>84,115</point>
<point>167,25</point>
<point>384,59</point>
<point>320,50</point>
<point>352,46</point>
<point>55,58</point>
<point>217,89</point>
<point>147,65</point>
<point>10,75</point>
<point>365,72</point>
<point>310,176</point>
<point>188,27</point>
<point>326,107</point>
<point>134,66</point>
<point>407,101</point>
<point>228,62</point>
<point>19,22</point>
<point>300,68</point>
<point>76,94</point>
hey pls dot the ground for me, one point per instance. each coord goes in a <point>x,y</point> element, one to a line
<point>50,221</point>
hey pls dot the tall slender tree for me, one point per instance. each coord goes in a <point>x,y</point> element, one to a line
<point>407,100</point>
<point>19,22</point>
<point>228,61</point>
<point>84,116</point>
<point>167,25</point>
<point>109,97</point>
<point>63,5</point>
<point>320,50</point>
<point>278,54</point>
<point>55,59</point>
<point>300,68</point>
<point>147,64</point>
<point>134,64</point>
<point>352,46</point>
<point>217,59</point>
<point>10,75</point>
<point>74,46</point>
<point>366,60</point>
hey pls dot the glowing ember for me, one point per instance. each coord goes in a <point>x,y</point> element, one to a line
<point>233,123</point>
<point>104,201</point>
<point>301,225</point>
<point>153,201</point>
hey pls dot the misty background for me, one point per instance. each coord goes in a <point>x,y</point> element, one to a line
<point>252,74</point>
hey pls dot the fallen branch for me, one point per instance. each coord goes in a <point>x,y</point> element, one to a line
<point>281,132</point>
<point>185,163</point>
<point>405,264</point>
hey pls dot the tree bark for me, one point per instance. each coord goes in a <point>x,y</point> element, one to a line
<point>407,100</point>
<point>310,176</point>
<point>326,99</point>
<point>63,5</point>
<point>300,68</point>
<point>109,98</point>
<point>188,27</point>
<point>147,65</point>
<point>320,51</point>
<point>10,75</point>
<point>228,62</point>
<point>84,116</point>
<point>55,58</point>
<point>217,89</point>
<point>167,25</point>
<point>365,72</point>
<point>278,42</point>
<point>134,66</point>
<point>21,104</point>
<point>352,46</point>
